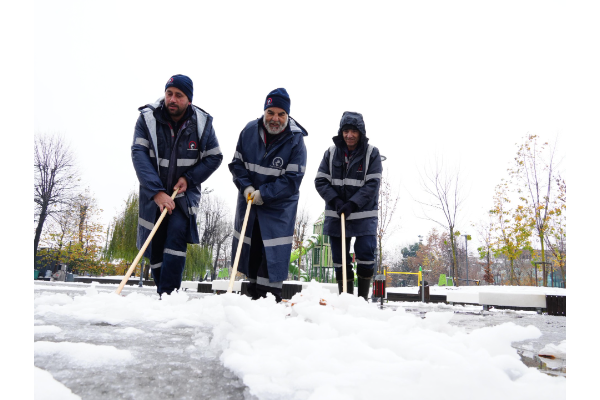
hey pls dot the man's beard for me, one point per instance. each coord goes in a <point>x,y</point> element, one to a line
<point>178,112</point>
<point>277,129</point>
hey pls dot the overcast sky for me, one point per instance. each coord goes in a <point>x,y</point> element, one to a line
<point>460,80</point>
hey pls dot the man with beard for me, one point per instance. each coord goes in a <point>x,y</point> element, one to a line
<point>348,180</point>
<point>174,147</point>
<point>268,165</point>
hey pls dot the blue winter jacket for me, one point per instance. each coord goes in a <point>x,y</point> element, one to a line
<point>358,182</point>
<point>195,155</point>
<point>276,172</point>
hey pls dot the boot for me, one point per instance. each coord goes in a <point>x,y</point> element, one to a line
<point>349,286</point>
<point>363,287</point>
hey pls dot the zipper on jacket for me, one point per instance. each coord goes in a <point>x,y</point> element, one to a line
<point>173,159</point>
<point>274,146</point>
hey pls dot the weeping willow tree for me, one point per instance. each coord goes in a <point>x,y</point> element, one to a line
<point>122,245</point>
<point>197,262</point>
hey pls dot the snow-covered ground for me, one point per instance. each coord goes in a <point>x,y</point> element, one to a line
<point>91,343</point>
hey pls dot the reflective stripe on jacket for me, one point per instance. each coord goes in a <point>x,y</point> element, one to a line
<point>194,154</point>
<point>358,182</point>
<point>276,172</point>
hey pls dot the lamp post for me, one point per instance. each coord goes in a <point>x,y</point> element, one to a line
<point>450,263</point>
<point>467,237</point>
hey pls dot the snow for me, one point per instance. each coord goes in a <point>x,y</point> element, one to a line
<point>443,290</point>
<point>514,296</point>
<point>558,351</point>
<point>47,388</point>
<point>82,355</point>
<point>238,348</point>
<point>45,329</point>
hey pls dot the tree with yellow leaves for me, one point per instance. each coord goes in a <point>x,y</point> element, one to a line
<point>556,238</point>
<point>534,176</point>
<point>511,226</point>
<point>75,236</point>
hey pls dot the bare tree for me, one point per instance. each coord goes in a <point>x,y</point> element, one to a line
<point>55,178</point>
<point>443,187</point>
<point>388,201</point>
<point>214,225</point>
<point>556,239</point>
<point>535,172</point>
<point>485,231</point>
<point>223,233</point>
<point>57,233</point>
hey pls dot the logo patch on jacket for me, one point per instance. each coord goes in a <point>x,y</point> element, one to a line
<point>277,162</point>
<point>359,168</point>
<point>192,145</point>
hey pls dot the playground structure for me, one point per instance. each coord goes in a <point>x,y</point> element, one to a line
<point>300,252</point>
<point>380,281</point>
<point>419,274</point>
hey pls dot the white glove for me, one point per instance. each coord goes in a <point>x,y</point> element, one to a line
<point>256,198</point>
<point>247,191</point>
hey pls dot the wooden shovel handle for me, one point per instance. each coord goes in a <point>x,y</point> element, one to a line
<point>143,249</point>
<point>239,248</point>
<point>345,284</point>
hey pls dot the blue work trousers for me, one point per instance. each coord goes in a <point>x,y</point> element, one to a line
<point>169,246</point>
<point>364,251</point>
<point>258,273</point>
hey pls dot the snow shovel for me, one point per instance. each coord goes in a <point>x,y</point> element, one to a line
<point>345,284</point>
<point>239,248</point>
<point>141,253</point>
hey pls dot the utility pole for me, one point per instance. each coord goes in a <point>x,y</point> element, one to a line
<point>467,237</point>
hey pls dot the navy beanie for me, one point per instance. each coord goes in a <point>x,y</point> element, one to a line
<point>278,98</point>
<point>182,83</point>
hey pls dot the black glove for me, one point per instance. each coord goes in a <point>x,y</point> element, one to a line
<point>336,203</point>
<point>347,209</point>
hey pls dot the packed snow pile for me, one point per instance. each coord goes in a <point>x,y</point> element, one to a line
<point>318,345</point>
<point>83,354</point>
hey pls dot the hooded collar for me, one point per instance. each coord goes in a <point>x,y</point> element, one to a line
<point>356,119</point>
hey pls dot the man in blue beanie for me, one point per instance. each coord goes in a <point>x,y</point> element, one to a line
<point>174,147</point>
<point>268,167</point>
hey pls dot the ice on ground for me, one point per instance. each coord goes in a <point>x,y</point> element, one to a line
<point>129,331</point>
<point>555,350</point>
<point>346,349</point>
<point>83,354</point>
<point>47,388</point>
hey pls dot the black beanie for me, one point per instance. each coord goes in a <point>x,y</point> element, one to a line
<point>182,83</point>
<point>278,98</point>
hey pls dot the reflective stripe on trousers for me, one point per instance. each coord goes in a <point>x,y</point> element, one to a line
<point>169,246</point>
<point>258,272</point>
<point>364,252</point>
